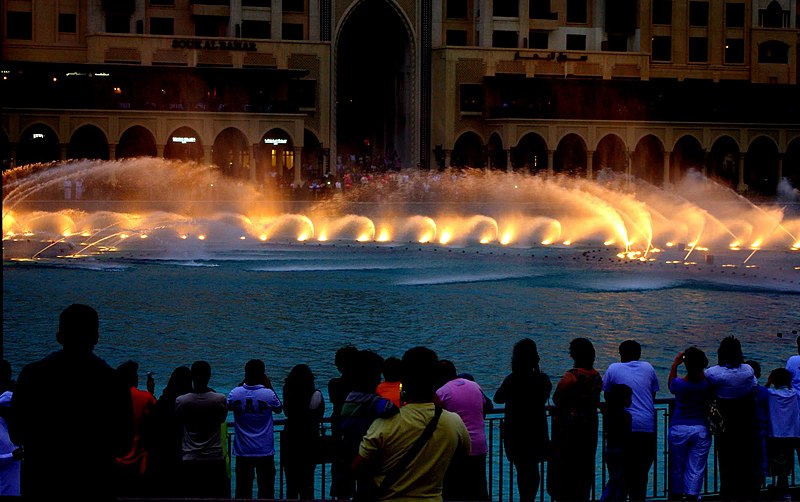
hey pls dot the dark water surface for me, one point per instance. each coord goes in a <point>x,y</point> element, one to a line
<point>298,304</point>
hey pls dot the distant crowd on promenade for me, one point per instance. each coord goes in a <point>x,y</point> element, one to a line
<point>402,428</point>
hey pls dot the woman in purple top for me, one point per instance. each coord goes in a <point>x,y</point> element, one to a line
<point>466,477</point>
<point>689,438</point>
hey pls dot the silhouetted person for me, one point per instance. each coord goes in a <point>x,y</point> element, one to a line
<point>71,415</point>
<point>202,413</point>
<point>10,454</point>
<point>131,466</point>
<point>617,433</point>
<point>571,471</point>
<point>362,406</point>
<point>734,385</point>
<point>383,449</point>
<point>304,407</point>
<point>253,403</point>
<point>338,389</point>
<point>166,445</point>
<point>525,393</point>
<point>641,378</point>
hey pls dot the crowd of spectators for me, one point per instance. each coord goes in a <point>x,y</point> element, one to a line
<point>401,428</point>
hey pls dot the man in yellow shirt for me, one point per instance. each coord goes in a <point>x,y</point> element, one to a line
<point>389,439</point>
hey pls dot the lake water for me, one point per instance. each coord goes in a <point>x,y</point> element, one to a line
<point>299,302</point>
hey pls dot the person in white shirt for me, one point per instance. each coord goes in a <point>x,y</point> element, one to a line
<point>784,428</point>
<point>641,378</point>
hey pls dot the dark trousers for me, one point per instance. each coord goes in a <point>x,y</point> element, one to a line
<point>528,479</point>
<point>466,479</point>
<point>640,457</point>
<point>262,469</point>
<point>205,479</point>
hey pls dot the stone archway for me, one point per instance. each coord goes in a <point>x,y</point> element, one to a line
<point>611,154</point>
<point>687,155</point>
<point>647,160</point>
<point>184,144</point>
<point>39,143</point>
<point>88,142</point>
<point>375,84</point>
<point>496,155</point>
<point>570,156</point>
<point>761,167</point>
<point>723,162</point>
<point>467,151</point>
<point>791,164</point>
<point>530,155</point>
<point>231,153</point>
<point>275,160</point>
<point>136,141</point>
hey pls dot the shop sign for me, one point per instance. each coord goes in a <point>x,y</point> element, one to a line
<point>213,45</point>
<point>183,139</point>
<point>275,141</point>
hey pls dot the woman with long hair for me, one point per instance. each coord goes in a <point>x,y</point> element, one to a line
<point>525,393</point>
<point>303,407</point>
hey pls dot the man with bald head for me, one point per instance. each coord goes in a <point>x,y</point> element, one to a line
<point>71,415</point>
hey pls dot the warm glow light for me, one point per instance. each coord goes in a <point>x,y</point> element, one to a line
<point>184,236</point>
<point>85,234</point>
<point>751,266</point>
<point>302,237</point>
<point>263,237</point>
<point>446,236</point>
<point>383,236</point>
<point>362,237</point>
<point>735,245</point>
<point>547,242</point>
<point>242,238</point>
<point>123,236</point>
<point>729,265</point>
<point>670,244</point>
<point>202,237</point>
<point>322,237</point>
<point>567,243</point>
<point>143,236</point>
<point>756,244</point>
<point>608,242</point>
<point>485,240</point>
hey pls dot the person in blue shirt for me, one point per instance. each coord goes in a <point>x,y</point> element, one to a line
<point>253,403</point>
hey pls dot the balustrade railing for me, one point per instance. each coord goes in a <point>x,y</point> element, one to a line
<point>500,473</point>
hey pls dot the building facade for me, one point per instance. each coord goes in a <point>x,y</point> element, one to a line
<point>304,88</point>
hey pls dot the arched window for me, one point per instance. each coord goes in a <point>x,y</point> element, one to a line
<point>773,51</point>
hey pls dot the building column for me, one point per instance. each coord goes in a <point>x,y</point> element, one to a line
<point>589,164</point>
<point>509,166</point>
<point>63,151</point>
<point>253,162</point>
<point>705,163</point>
<point>13,160</point>
<point>447,158</point>
<point>276,23</point>
<point>298,166</point>
<point>485,26</point>
<point>741,186</point>
<point>160,151</point>
<point>207,154</point>
<point>550,157</point>
<point>780,166</point>
<point>628,164</point>
<point>666,181</point>
<point>112,151</point>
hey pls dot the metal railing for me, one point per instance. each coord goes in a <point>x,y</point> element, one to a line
<point>500,473</point>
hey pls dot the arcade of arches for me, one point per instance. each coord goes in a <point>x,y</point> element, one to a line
<point>275,155</point>
<point>757,167</point>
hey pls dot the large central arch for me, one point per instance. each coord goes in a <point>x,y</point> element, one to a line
<point>375,83</point>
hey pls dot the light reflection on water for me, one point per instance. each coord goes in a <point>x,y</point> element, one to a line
<point>300,305</point>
